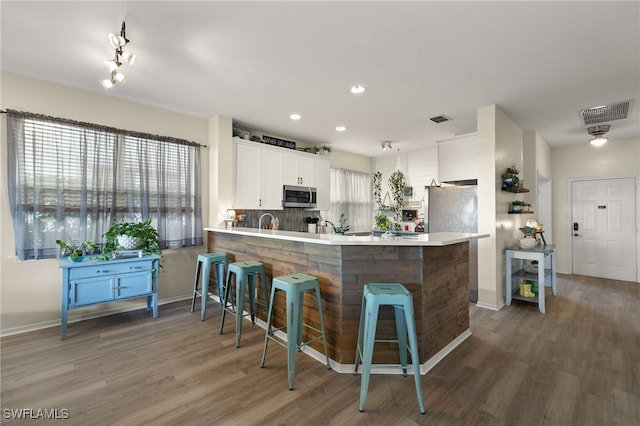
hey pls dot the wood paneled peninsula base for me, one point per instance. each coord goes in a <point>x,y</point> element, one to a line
<point>434,267</point>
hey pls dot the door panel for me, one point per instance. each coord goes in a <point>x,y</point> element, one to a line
<point>604,245</point>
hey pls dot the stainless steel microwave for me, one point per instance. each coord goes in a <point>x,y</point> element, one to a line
<point>298,196</point>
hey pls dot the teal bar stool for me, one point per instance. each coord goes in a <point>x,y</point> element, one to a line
<point>204,264</point>
<point>294,286</point>
<point>245,274</point>
<point>396,295</point>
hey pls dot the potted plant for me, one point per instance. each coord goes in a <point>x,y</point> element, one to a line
<point>324,150</point>
<point>76,252</point>
<point>510,176</point>
<point>396,185</point>
<point>382,222</point>
<point>341,227</point>
<point>131,236</point>
<point>516,205</point>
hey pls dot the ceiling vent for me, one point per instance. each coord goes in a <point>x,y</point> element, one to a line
<point>602,113</point>
<point>439,119</point>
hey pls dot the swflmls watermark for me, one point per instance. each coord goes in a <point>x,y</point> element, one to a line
<point>35,413</point>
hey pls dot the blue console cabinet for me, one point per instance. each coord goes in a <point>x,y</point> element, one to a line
<point>93,282</point>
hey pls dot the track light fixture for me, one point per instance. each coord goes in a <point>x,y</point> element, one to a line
<point>120,57</point>
<point>386,145</point>
<point>598,133</point>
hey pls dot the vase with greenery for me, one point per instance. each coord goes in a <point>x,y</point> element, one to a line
<point>510,176</point>
<point>76,252</point>
<point>342,225</point>
<point>144,235</point>
<point>516,205</point>
<point>396,185</point>
<point>382,222</point>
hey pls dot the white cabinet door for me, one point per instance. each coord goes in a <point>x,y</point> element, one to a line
<point>248,179</point>
<point>321,178</point>
<point>298,169</point>
<point>305,170</point>
<point>258,177</point>
<point>271,185</point>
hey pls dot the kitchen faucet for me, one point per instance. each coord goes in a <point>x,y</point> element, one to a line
<point>261,217</point>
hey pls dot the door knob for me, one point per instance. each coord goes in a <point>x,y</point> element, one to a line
<point>576,235</point>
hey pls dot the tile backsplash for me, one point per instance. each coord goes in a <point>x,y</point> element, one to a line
<point>291,219</point>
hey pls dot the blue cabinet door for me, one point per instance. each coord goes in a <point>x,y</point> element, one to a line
<point>132,285</point>
<point>88,291</point>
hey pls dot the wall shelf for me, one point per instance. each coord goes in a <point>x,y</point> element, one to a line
<point>514,189</point>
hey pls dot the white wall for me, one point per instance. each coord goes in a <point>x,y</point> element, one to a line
<point>618,158</point>
<point>30,290</point>
<point>486,169</point>
<point>348,161</point>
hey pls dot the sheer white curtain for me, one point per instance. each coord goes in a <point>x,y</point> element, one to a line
<point>351,195</point>
<point>70,180</point>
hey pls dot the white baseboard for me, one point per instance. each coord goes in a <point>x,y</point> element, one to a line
<point>493,307</point>
<point>89,315</point>
<point>424,368</point>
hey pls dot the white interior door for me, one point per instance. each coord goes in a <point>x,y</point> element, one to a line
<point>604,228</point>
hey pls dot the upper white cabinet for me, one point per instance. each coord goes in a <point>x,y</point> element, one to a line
<point>258,176</point>
<point>457,158</point>
<point>298,169</point>
<point>261,171</point>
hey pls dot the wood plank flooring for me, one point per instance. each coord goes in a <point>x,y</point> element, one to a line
<point>578,364</point>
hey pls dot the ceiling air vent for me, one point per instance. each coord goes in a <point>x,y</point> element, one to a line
<point>602,113</point>
<point>439,119</point>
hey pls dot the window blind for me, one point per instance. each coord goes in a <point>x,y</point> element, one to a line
<point>70,180</point>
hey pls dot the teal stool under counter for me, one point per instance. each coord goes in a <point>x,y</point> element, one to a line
<point>396,295</point>
<point>204,265</point>
<point>245,276</point>
<point>294,286</point>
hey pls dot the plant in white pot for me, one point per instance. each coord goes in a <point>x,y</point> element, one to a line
<point>131,236</point>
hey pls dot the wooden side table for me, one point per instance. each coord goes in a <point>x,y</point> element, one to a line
<point>537,253</point>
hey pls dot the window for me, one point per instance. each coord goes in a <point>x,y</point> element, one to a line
<point>351,196</point>
<point>69,180</point>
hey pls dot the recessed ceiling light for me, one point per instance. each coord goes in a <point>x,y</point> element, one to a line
<point>295,116</point>
<point>357,89</point>
<point>340,128</point>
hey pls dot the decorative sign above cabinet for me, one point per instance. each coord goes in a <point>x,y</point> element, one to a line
<point>278,142</point>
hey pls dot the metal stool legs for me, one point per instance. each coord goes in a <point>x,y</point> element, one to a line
<point>245,273</point>
<point>294,286</point>
<point>204,264</point>
<point>396,295</point>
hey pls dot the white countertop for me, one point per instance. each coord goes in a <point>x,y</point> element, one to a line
<point>419,239</point>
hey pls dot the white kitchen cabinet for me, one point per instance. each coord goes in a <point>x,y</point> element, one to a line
<point>321,179</point>
<point>298,169</point>
<point>258,176</point>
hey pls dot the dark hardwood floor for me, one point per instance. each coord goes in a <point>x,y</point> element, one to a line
<point>578,364</point>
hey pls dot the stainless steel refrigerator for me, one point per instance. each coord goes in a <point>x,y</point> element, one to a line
<point>455,209</point>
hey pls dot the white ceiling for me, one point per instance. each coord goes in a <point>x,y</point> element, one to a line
<point>258,62</point>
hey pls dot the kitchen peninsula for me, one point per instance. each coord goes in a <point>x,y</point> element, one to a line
<point>434,267</point>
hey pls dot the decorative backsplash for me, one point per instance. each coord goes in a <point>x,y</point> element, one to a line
<point>292,219</point>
